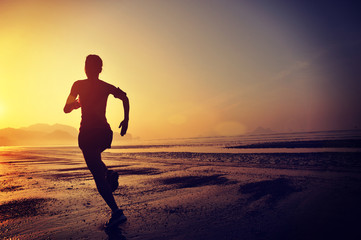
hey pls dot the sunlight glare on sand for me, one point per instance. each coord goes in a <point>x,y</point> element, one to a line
<point>2,169</point>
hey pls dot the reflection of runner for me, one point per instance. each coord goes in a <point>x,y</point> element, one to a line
<point>95,134</point>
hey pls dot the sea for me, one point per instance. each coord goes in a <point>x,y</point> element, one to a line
<point>318,150</point>
<point>296,142</point>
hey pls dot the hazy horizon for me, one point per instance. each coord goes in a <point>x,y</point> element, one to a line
<point>60,134</point>
<point>189,68</point>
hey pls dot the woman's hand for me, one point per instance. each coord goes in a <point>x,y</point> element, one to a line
<point>124,127</point>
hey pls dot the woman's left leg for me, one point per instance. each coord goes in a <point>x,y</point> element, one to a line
<point>98,170</point>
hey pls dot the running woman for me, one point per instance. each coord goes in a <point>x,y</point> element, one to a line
<point>95,134</point>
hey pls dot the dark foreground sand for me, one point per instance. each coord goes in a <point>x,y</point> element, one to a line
<point>49,194</point>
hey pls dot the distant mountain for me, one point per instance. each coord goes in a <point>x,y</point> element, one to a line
<point>47,128</point>
<point>39,134</point>
<point>45,134</point>
<point>261,130</point>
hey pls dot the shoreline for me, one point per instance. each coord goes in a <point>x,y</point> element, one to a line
<point>339,143</point>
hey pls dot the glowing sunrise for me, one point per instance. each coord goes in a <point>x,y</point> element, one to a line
<point>190,68</point>
<point>180,119</point>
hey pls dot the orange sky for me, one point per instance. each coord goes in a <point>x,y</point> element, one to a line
<point>189,68</point>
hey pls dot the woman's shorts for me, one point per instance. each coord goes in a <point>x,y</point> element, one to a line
<point>91,139</point>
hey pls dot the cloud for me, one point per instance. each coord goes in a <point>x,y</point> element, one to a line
<point>294,68</point>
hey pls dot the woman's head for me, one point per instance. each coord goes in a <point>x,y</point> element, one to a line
<point>93,65</point>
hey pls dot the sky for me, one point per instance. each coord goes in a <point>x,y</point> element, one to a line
<point>190,68</point>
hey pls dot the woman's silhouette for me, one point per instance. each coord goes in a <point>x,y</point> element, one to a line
<point>95,134</point>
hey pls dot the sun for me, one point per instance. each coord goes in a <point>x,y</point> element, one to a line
<point>2,109</point>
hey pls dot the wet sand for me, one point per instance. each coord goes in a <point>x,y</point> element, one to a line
<point>47,193</point>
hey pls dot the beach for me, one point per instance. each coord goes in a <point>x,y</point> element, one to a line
<point>173,192</point>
